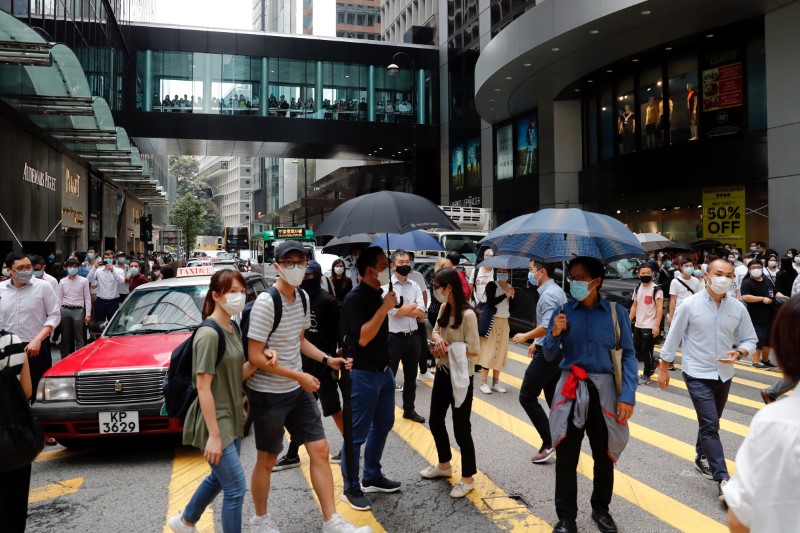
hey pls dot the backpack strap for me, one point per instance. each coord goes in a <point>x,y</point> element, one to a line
<point>688,288</point>
<point>209,323</point>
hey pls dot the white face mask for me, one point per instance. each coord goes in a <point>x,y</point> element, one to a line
<point>756,273</point>
<point>339,270</point>
<point>292,276</point>
<point>234,303</point>
<point>440,297</point>
<point>721,284</point>
<point>772,264</point>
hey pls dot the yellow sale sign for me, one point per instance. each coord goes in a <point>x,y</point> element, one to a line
<point>724,215</point>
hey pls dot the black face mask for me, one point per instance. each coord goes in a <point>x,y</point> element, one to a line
<point>311,286</point>
<point>646,279</point>
<point>403,270</point>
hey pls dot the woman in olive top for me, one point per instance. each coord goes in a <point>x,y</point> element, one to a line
<point>214,422</point>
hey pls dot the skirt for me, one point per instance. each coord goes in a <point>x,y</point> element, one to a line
<point>494,348</point>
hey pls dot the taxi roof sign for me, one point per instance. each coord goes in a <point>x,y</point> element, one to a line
<point>195,271</point>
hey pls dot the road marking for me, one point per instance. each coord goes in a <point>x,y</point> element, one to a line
<point>54,490</point>
<point>359,518</point>
<point>189,468</point>
<point>515,518</point>
<point>746,367</point>
<point>52,455</point>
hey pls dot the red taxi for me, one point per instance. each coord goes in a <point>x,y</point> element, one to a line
<point>112,386</point>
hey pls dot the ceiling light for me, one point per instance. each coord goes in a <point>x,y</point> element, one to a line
<point>594,32</point>
<point>646,12</point>
<point>589,81</point>
<point>491,99</point>
<point>380,148</point>
<point>604,109</point>
<point>347,75</point>
<point>668,48</point>
<point>497,90</point>
<point>635,60</point>
<point>699,206</point>
<point>609,71</point>
<point>620,98</point>
<point>508,77</point>
<point>491,109</point>
<point>555,49</point>
<point>577,90</point>
<point>710,36</point>
<point>658,83</point>
<point>619,211</point>
<point>526,64</point>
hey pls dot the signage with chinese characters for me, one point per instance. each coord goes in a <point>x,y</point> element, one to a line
<point>37,177</point>
<point>724,215</point>
<point>290,233</point>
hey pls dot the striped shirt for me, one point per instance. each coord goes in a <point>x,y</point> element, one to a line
<point>285,340</point>
<point>12,352</point>
<point>75,293</point>
<point>108,281</point>
<point>25,311</point>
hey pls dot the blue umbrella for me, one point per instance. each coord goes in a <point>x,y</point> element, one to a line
<point>413,240</point>
<point>552,235</point>
<point>505,261</point>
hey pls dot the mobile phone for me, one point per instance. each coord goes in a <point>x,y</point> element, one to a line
<point>727,358</point>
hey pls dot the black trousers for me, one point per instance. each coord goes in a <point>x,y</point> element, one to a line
<point>423,348</point>
<point>14,489</point>
<point>405,348</point>
<point>643,343</point>
<point>441,400</point>
<point>104,309</point>
<point>568,453</point>
<point>541,375</point>
<point>40,364</point>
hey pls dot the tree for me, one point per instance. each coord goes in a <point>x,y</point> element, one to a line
<point>183,167</point>
<point>213,222</point>
<point>188,214</point>
<point>197,187</point>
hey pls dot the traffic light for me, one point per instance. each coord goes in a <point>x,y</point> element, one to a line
<point>146,228</point>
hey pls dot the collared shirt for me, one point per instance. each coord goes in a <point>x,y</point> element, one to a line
<point>25,311</point>
<point>358,308</point>
<point>709,333</point>
<point>50,279</point>
<point>417,277</point>
<point>768,469</point>
<point>589,342</point>
<point>551,297</point>
<point>107,281</point>
<point>122,288</point>
<point>75,293</point>
<point>410,292</point>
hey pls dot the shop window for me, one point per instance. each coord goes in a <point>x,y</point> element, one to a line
<point>607,122</point>
<point>651,107</point>
<point>627,119</point>
<point>685,93</point>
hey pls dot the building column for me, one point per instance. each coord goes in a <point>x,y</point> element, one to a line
<point>371,94</point>
<point>318,88</point>
<point>560,153</point>
<point>208,84</point>
<point>421,101</point>
<point>263,92</point>
<point>148,81</point>
<point>783,124</point>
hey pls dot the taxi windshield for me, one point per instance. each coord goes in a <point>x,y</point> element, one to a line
<point>159,311</point>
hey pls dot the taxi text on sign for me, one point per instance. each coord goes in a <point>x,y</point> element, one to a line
<point>724,215</point>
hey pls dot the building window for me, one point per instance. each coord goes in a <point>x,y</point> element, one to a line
<point>685,92</point>
<point>651,107</point>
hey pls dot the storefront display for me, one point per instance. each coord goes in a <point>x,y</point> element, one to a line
<point>504,143</point>
<point>456,167</point>
<point>527,146</point>
<point>473,170</point>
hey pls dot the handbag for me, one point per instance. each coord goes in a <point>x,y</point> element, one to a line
<point>485,318</point>
<point>616,351</point>
<point>21,436</point>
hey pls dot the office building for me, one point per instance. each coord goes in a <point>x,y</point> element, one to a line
<point>231,181</point>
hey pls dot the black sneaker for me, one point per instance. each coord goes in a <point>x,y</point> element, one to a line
<point>701,465</point>
<point>336,459</point>
<point>759,365</point>
<point>769,364</point>
<point>285,463</point>
<point>414,416</point>
<point>355,498</point>
<point>380,485</point>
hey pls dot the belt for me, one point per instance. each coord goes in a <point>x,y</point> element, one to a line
<point>366,367</point>
<point>73,307</point>
<point>404,333</point>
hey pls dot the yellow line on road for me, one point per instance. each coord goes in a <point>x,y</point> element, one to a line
<point>52,455</point>
<point>189,468</point>
<point>359,518</point>
<point>55,490</point>
<point>514,518</point>
<point>746,367</point>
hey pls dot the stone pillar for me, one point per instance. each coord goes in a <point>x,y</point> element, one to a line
<point>148,81</point>
<point>421,100</point>
<point>318,90</point>
<point>371,93</point>
<point>263,90</point>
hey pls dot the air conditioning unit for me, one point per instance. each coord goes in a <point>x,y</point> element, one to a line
<point>469,218</point>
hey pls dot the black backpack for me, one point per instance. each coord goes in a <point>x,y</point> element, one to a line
<point>179,391</point>
<point>277,305</point>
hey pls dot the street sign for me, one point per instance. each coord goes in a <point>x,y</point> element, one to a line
<point>724,215</point>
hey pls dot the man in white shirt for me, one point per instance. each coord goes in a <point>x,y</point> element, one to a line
<point>716,330</point>
<point>417,277</point>
<point>740,271</point>
<point>76,308</point>
<point>108,278</point>
<point>29,309</point>
<point>403,330</point>
<point>682,286</point>
<point>37,261</point>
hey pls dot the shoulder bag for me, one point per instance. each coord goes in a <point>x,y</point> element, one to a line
<point>616,351</point>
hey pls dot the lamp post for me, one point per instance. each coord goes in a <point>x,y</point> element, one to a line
<point>393,70</point>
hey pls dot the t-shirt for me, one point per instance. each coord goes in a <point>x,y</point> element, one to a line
<point>226,387</point>
<point>680,291</point>
<point>12,352</point>
<point>285,340</point>
<point>646,306</point>
<point>760,313</point>
<point>324,329</point>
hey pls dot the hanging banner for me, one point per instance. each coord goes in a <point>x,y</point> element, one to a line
<point>504,140</point>
<point>723,93</point>
<point>724,215</point>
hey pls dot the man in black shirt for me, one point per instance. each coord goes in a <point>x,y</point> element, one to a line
<point>366,337</point>
<point>758,293</point>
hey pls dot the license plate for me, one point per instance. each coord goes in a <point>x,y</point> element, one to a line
<point>119,422</point>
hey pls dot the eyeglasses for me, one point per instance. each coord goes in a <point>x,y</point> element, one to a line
<point>29,269</point>
<point>292,264</point>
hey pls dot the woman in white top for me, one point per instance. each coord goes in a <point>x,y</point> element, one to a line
<point>481,277</point>
<point>763,495</point>
<point>494,347</point>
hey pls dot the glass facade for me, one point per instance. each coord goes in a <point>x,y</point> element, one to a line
<point>222,84</point>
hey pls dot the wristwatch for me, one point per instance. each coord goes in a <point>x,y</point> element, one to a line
<point>742,352</point>
<point>325,360</point>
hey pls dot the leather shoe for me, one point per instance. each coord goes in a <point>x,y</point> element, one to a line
<point>565,526</point>
<point>604,521</point>
<point>414,417</point>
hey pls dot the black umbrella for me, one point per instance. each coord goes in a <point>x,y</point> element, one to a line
<point>679,246</point>
<point>705,244</point>
<point>341,245</point>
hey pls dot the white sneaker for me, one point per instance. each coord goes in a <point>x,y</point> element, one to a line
<point>427,376</point>
<point>461,489</point>
<point>176,524</point>
<point>433,471</point>
<point>337,524</point>
<point>499,388</point>
<point>486,389</point>
<point>263,524</point>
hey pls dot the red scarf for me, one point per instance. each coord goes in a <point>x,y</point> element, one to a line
<point>571,383</point>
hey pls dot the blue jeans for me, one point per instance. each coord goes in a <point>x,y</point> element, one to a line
<point>228,477</point>
<point>372,400</point>
<point>709,397</point>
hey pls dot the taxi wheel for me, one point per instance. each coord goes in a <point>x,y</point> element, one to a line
<point>246,412</point>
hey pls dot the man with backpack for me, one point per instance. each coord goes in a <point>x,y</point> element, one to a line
<point>645,314</point>
<point>281,394</point>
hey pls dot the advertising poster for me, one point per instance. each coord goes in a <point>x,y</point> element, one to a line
<point>724,215</point>
<point>457,167</point>
<point>527,146</point>
<point>504,139</point>
<point>473,169</point>
<point>723,93</point>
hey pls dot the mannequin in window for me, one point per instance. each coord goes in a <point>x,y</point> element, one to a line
<point>650,122</point>
<point>626,127</point>
<point>691,109</point>
<point>664,120</point>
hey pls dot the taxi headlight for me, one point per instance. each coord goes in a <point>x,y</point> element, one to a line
<point>57,389</point>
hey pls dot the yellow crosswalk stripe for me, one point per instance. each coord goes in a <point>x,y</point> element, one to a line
<point>52,455</point>
<point>54,490</point>
<point>509,516</point>
<point>740,366</point>
<point>189,468</point>
<point>359,518</point>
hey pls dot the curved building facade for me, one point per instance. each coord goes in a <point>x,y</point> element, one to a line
<point>675,117</point>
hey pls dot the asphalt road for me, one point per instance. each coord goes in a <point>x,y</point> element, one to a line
<point>134,485</point>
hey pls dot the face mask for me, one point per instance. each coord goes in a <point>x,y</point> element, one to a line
<point>403,270</point>
<point>688,270</point>
<point>731,260</point>
<point>89,256</point>
<point>756,273</point>
<point>120,262</point>
<point>579,290</point>
<point>338,270</point>
<point>292,276</point>
<point>38,273</point>
<point>51,257</point>
<point>440,297</point>
<point>532,279</point>
<point>667,263</point>
<point>25,276</point>
<point>108,261</point>
<point>698,273</point>
<point>234,303</point>
<point>754,248</point>
<point>502,276</point>
<point>797,259</point>
<point>721,284</point>
<point>772,264</point>
<point>134,271</point>
<point>72,271</point>
<point>646,279</point>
